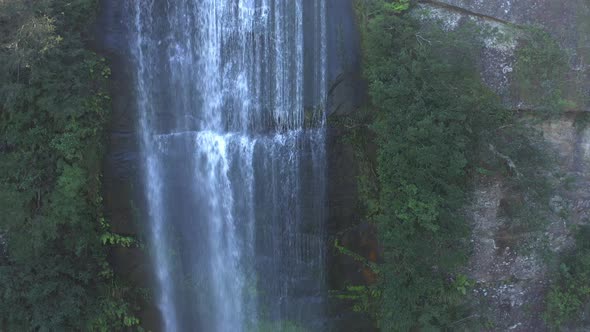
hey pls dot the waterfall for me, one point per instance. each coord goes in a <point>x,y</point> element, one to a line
<point>231,98</point>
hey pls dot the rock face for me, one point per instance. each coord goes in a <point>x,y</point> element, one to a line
<point>566,20</point>
<point>568,23</point>
<point>512,282</point>
<point>344,59</point>
<point>513,267</point>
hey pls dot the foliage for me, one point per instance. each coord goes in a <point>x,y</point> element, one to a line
<point>571,292</point>
<point>397,6</point>
<point>432,113</point>
<point>541,70</point>
<point>54,106</point>
<point>362,297</point>
<point>519,155</point>
<point>345,251</point>
<point>434,124</point>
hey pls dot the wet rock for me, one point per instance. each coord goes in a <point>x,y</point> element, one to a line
<point>346,90</point>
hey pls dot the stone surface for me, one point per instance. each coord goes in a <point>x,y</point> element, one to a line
<point>567,22</point>
<point>511,283</point>
<point>345,88</point>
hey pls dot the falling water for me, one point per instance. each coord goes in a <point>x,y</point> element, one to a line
<point>231,96</point>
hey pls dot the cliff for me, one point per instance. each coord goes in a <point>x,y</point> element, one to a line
<point>512,282</point>
<point>536,57</point>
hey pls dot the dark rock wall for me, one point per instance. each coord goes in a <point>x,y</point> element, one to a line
<point>120,176</point>
<point>345,220</point>
<point>344,59</point>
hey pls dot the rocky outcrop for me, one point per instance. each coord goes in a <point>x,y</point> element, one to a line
<point>509,264</point>
<point>566,23</point>
<point>345,91</point>
<point>513,266</point>
<point>511,282</point>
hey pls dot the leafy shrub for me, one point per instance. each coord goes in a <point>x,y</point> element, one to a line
<point>55,275</point>
<point>571,292</point>
<point>434,124</point>
<point>541,72</point>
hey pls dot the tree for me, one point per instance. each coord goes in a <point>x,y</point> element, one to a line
<point>431,114</point>
<point>53,112</point>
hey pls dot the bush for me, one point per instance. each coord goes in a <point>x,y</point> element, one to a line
<point>571,291</point>
<point>435,125</point>
<point>55,275</point>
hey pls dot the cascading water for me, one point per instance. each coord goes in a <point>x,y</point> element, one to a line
<point>231,96</point>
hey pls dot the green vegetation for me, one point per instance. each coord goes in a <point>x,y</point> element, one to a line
<point>570,294</point>
<point>432,112</point>
<point>396,6</point>
<point>362,297</point>
<point>430,126</point>
<point>54,273</point>
<point>541,73</point>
